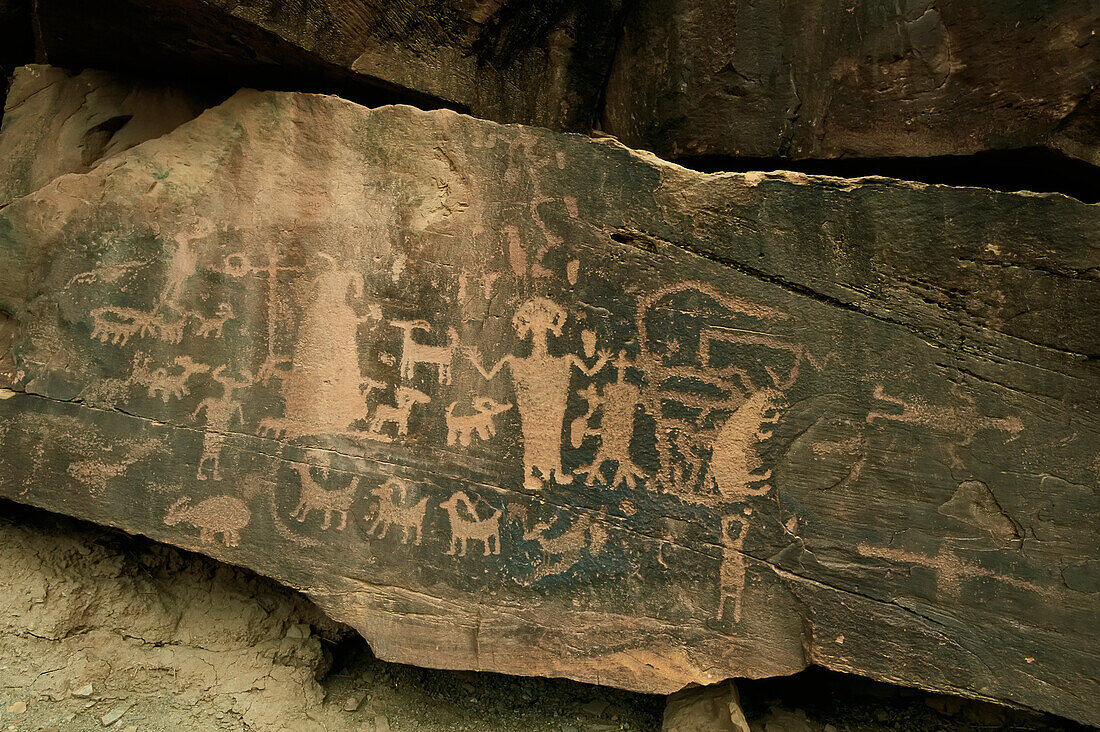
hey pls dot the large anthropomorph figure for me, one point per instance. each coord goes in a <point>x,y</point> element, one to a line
<point>542,383</point>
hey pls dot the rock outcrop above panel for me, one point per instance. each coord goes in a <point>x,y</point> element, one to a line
<point>56,122</point>
<point>510,400</point>
<point>857,79</point>
<point>537,63</point>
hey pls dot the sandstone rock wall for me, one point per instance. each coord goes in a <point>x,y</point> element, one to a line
<point>515,401</point>
<point>504,398</point>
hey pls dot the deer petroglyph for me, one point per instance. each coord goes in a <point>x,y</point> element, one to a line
<point>395,510</point>
<point>413,353</point>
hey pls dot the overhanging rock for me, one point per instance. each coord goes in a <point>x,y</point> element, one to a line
<point>510,400</point>
<point>860,79</point>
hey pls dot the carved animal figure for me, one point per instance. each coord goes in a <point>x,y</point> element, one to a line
<point>568,545</point>
<point>736,466</point>
<point>117,325</point>
<point>213,326</point>
<point>312,497</point>
<point>462,429</point>
<point>398,415</point>
<point>225,515</point>
<point>413,353</point>
<point>160,383</point>
<point>485,530</point>
<point>395,511</point>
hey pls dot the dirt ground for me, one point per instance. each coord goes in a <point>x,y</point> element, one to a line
<point>101,630</point>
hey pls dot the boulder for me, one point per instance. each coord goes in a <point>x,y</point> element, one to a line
<point>511,61</point>
<point>58,122</point>
<point>707,709</point>
<point>830,79</point>
<point>510,400</point>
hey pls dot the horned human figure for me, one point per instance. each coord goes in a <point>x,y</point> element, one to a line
<point>542,383</point>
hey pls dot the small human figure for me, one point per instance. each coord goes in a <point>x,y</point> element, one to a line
<point>731,574</point>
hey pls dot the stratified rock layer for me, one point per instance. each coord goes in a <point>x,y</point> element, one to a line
<point>506,60</point>
<point>860,78</point>
<point>509,400</point>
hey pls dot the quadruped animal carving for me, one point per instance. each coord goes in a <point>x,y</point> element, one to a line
<point>485,530</point>
<point>225,515</point>
<point>394,510</point>
<point>312,497</point>
<point>462,429</point>
<point>212,327</point>
<point>562,552</point>
<point>160,383</point>
<point>413,353</point>
<point>397,415</point>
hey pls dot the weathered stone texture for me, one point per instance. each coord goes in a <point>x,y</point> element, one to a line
<point>826,79</point>
<point>510,400</point>
<point>511,61</point>
<point>56,122</point>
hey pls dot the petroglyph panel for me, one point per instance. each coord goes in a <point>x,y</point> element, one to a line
<point>529,403</point>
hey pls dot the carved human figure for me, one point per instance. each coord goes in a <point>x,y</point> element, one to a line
<point>219,417</point>
<point>541,382</point>
<point>731,574</point>
<point>617,400</point>
<point>321,390</point>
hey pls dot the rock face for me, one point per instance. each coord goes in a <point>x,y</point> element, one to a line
<point>56,122</point>
<point>825,79</point>
<point>512,61</point>
<point>510,400</point>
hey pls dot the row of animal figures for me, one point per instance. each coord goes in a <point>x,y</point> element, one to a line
<point>227,516</point>
<point>224,410</point>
